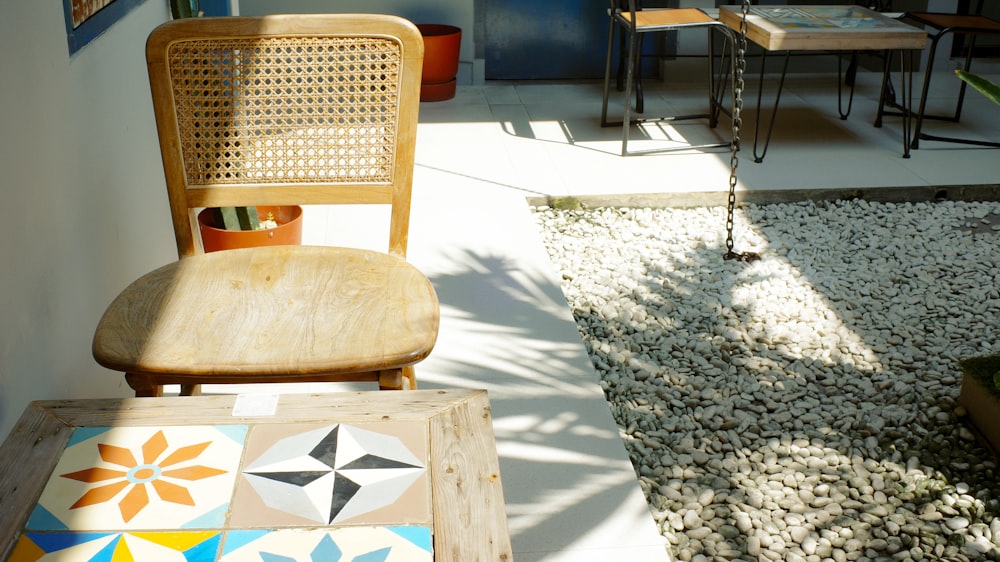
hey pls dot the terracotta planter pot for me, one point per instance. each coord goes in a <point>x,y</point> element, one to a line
<point>287,233</point>
<point>441,47</point>
<point>984,409</point>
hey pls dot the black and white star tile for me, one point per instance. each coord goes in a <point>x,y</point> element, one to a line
<point>334,474</point>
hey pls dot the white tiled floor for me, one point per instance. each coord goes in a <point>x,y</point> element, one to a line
<point>570,490</point>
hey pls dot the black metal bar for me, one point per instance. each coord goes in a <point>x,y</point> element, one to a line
<point>850,98</point>
<point>777,98</point>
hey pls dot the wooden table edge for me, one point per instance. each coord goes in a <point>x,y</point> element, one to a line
<point>776,39</point>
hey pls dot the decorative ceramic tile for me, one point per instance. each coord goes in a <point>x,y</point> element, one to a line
<point>118,547</point>
<point>266,492</point>
<point>344,544</point>
<point>123,478</point>
<point>823,17</point>
<point>334,474</point>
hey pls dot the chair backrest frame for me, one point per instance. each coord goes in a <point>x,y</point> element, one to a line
<point>286,110</point>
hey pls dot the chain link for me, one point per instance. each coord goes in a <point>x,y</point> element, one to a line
<point>740,65</point>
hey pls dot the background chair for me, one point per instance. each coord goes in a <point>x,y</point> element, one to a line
<point>942,24</point>
<point>634,22</point>
<point>279,110</point>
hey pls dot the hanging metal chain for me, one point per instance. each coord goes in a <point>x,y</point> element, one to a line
<point>740,64</point>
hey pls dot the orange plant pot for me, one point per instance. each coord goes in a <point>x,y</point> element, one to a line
<point>983,408</point>
<point>287,233</point>
<point>442,44</point>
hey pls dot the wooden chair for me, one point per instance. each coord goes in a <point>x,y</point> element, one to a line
<point>279,110</point>
<point>634,22</point>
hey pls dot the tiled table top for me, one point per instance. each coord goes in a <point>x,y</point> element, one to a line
<point>821,28</point>
<point>361,477</point>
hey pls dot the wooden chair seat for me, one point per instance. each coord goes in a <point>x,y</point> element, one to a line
<point>274,314</point>
<point>669,18</point>
<point>957,23</point>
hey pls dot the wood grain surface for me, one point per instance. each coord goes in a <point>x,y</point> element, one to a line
<point>285,312</point>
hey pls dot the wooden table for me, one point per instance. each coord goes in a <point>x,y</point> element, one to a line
<point>825,28</point>
<point>412,476</point>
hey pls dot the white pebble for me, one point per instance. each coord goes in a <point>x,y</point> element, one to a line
<point>787,400</point>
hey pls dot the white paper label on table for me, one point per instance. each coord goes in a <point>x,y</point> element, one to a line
<point>255,405</point>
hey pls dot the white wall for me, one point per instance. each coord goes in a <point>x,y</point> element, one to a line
<point>84,206</point>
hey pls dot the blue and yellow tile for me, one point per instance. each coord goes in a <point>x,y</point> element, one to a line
<point>176,546</point>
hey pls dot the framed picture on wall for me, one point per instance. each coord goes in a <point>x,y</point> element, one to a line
<point>87,19</point>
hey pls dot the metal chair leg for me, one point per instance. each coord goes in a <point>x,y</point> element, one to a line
<point>921,114</point>
<point>640,105</point>
<point>620,74</point>
<point>607,72</point>
<point>915,143</point>
<point>629,84</point>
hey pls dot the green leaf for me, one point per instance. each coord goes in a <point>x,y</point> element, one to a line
<point>236,218</point>
<point>181,8</point>
<point>987,88</point>
<point>248,218</point>
<point>225,218</point>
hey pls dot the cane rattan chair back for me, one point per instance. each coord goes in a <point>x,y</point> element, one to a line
<point>286,110</point>
<point>279,110</point>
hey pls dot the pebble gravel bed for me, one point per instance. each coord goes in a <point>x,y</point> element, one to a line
<point>802,407</point>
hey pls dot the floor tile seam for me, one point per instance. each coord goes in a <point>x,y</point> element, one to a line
<point>681,199</point>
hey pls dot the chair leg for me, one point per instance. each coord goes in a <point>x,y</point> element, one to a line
<point>962,85</point>
<point>629,84</point>
<point>620,73</point>
<point>143,385</point>
<point>409,373</point>
<point>391,379</point>
<point>884,98</point>
<point>607,73</point>
<point>729,44</point>
<point>915,143</point>
<point>190,390</point>
<point>714,86</point>
<point>716,90</point>
<point>640,103</point>
<point>635,82</point>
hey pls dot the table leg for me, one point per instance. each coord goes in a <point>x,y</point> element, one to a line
<point>884,95</point>
<point>906,95</point>
<point>853,82</point>
<point>887,96</point>
<point>758,158</point>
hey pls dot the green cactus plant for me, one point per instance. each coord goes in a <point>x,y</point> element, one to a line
<point>180,8</point>
<point>236,218</point>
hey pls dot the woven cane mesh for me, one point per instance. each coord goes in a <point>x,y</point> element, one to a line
<point>286,110</point>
